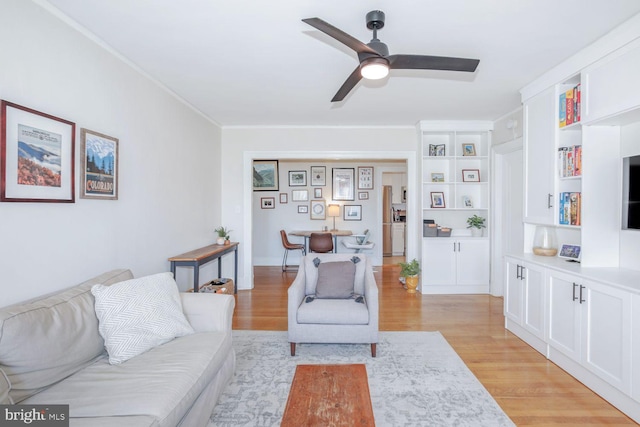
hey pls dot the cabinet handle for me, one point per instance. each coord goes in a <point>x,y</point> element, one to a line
<point>522,269</point>
<point>581,288</point>
<point>574,291</point>
<point>454,246</point>
<point>549,200</point>
<point>458,246</point>
<point>518,274</point>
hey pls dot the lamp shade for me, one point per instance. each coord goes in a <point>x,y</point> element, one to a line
<point>333,210</point>
<point>374,68</point>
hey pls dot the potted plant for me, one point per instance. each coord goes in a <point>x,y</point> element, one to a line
<point>410,271</point>
<point>476,224</point>
<point>223,235</point>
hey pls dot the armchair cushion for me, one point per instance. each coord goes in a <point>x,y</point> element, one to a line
<point>335,279</point>
<point>333,312</point>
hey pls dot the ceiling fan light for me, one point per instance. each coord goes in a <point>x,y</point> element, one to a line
<point>374,68</point>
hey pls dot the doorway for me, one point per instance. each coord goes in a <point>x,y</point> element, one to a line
<point>394,215</point>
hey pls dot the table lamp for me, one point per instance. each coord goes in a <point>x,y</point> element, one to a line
<point>333,211</point>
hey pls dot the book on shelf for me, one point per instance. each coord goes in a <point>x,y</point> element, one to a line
<point>570,161</point>
<point>569,106</point>
<point>570,208</point>
<point>562,104</point>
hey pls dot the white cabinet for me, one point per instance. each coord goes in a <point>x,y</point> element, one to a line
<point>454,266</point>
<point>397,239</point>
<point>539,150</point>
<point>635,349</point>
<point>525,302</point>
<point>591,323</point>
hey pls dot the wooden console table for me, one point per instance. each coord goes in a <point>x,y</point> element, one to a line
<point>201,256</point>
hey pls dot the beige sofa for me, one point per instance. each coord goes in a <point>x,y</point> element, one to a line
<point>52,353</point>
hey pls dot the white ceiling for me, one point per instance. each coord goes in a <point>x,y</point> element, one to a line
<point>243,62</point>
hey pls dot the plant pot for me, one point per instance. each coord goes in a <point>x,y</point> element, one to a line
<point>220,241</point>
<point>412,284</point>
<point>476,232</point>
<point>227,242</point>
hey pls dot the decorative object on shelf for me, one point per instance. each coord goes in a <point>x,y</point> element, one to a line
<point>268,202</point>
<point>333,211</point>
<point>570,252</point>
<point>437,150</point>
<point>410,271</point>
<point>318,176</point>
<point>365,177</point>
<point>299,195</point>
<point>437,199</point>
<point>37,156</point>
<point>470,175</point>
<point>467,202</point>
<point>99,166</point>
<point>297,178</point>
<point>284,198</point>
<point>317,193</point>
<point>223,235</point>
<point>303,209</point>
<point>437,177</point>
<point>545,242</point>
<point>476,224</point>
<point>363,195</point>
<point>352,213</point>
<point>343,184</point>
<point>318,209</point>
<point>469,149</point>
<point>265,175</point>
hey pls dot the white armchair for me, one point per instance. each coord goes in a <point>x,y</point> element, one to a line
<point>341,321</point>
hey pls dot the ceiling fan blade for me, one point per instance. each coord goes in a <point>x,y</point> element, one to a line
<point>339,35</point>
<point>424,62</point>
<point>349,84</point>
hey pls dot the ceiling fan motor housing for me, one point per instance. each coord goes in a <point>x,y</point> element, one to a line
<point>375,19</point>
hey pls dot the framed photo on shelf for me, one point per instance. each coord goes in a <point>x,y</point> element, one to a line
<point>37,156</point>
<point>268,202</point>
<point>303,209</point>
<point>299,195</point>
<point>284,198</point>
<point>365,177</point>
<point>437,199</point>
<point>297,178</point>
<point>437,177</point>
<point>317,193</point>
<point>99,166</point>
<point>343,184</point>
<point>468,149</point>
<point>352,213</point>
<point>437,150</point>
<point>318,209</point>
<point>363,195</point>
<point>265,175</point>
<point>467,202</point>
<point>318,176</point>
<point>470,175</point>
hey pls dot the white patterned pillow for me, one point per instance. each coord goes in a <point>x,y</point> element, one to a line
<point>138,314</point>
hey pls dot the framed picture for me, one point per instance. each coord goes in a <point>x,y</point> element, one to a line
<point>363,195</point>
<point>343,185</point>
<point>437,199</point>
<point>317,193</point>
<point>265,175</point>
<point>318,176</point>
<point>365,177</point>
<point>470,175</point>
<point>318,209</point>
<point>467,202</point>
<point>303,209</point>
<point>299,195</point>
<point>437,150</point>
<point>99,166</point>
<point>284,198</point>
<point>297,178</point>
<point>437,177</point>
<point>468,149</point>
<point>268,202</point>
<point>352,213</point>
<point>37,150</point>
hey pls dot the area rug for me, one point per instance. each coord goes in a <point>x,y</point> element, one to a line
<point>417,379</point>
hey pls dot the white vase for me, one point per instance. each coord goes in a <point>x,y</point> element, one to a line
<point>220,241</point>
<point>476,232</point>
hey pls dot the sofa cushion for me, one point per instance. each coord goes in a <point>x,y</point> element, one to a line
<point>311,272</point>
<point>49,338</point>
<point>335,279</point>
<point>333,312</point>
<point>5,386</point>
<point>163,382</point>
<point>139,314</point>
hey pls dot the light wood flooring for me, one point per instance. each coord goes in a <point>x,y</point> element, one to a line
<point>529,388</point>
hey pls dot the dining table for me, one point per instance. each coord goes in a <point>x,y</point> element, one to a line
<point>334,233</point>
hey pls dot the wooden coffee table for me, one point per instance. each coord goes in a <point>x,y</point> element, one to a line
<point>329,395</point>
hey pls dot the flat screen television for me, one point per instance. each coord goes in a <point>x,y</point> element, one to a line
<point>631,193</point>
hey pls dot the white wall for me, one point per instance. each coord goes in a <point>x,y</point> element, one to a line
<point>241,145</point>
<point>169,163</point>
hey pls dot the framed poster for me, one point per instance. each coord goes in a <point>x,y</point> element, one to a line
<point>284,198</point>
<point>297,178</point>
<point>352,213</point>
<point>343,184</point>
<point>268,202</point>
<point>36,156</point>
<point>99,166</point>
<point>317,193</point>
<point>365,178</point>
<point>299,195</point>
<point>265,175</point>
<point>318,209</point>
<point>318,176</point>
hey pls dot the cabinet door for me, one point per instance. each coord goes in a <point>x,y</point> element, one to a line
<point>635,349</point>
<point>397,239</point>
<point>513,298</point>
<point>540,120</point>
<point>534,300</point>
<point>607,333</point>
<point>473,262</point>
<point>564,314</point>
<point>438,262</point>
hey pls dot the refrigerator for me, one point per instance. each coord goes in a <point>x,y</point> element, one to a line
<point>387,221</point>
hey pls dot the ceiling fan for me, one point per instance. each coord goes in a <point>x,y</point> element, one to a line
<point>374,57</point>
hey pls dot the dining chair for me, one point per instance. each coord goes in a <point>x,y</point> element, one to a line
<point>321,242</point>
<point>288,246</point>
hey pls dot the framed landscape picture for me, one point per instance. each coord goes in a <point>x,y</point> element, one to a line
<point>265,175</point>
<point>297,178</point>
<point>352,213</point>
<point>99,166</point>
<point>36,156</point>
